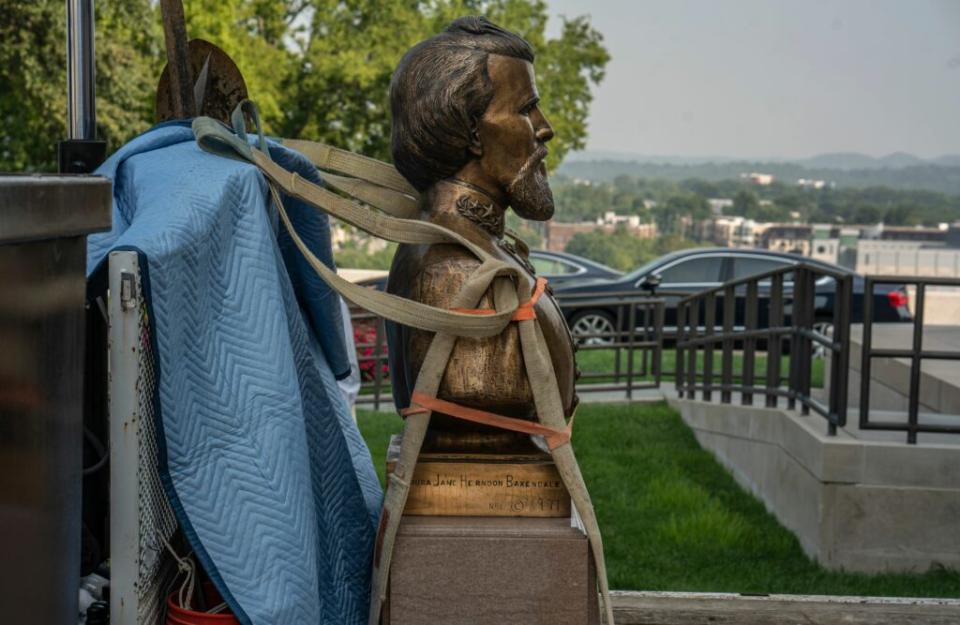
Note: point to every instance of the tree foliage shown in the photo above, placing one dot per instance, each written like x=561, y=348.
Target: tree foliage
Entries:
x=319, y=69
x=339, y=92
x=621, y=249
x=356, y=253
x=33, y=100
x=940, y=177
x=666, y=202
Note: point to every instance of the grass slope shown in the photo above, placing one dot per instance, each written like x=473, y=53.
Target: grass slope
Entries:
x=674, y=519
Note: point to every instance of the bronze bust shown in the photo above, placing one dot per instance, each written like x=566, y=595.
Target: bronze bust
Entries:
x=469, y=135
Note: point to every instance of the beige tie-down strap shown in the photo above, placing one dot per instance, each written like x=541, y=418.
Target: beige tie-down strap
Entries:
x=380, y=184
x=329, y=158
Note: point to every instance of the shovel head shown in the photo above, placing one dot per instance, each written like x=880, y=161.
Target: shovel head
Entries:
x=218, y=89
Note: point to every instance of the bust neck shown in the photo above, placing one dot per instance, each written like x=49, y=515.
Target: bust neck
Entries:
x=454, y=200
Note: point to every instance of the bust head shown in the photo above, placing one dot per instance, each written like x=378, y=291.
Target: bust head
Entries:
x=465, y=107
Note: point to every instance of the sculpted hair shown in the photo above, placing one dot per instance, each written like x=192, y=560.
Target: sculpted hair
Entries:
x=438, y=92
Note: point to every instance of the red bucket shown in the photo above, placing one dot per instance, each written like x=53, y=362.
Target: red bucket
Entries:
x=181, y=616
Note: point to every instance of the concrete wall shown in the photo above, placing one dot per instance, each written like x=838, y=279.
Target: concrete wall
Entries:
x=890, y=377
x=855, y=505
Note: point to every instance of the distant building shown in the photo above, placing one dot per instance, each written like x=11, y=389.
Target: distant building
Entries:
x=610, y=218
x=557, y=234
x=907, y=258
x=718, y=205
x=953, y=235
x=702, y=230
x=825, y=250
x=756, y=178
x=790, y=238
x=909, y=251
x=809, y=183
x=866, y=249
x=734, y=232
x=829, y=241
x=918, y=233
x=889, y=250
x=747, y=233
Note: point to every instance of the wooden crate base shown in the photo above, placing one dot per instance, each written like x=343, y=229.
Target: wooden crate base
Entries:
x=491, y=571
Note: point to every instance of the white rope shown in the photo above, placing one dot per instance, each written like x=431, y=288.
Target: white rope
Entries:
x=188, y=568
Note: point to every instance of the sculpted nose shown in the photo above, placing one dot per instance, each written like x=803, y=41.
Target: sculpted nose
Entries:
x=545, y=134
x=544, y=130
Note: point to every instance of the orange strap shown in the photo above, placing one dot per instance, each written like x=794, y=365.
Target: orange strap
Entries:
x=424, y=403
x=524, y=312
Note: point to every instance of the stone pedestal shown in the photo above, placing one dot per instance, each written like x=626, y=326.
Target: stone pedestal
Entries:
x=491, y=571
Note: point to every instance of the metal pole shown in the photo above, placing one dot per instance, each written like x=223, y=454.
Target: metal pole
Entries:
x=178, y=58
x=916, y=362
x=81, y=152
x=81, y=92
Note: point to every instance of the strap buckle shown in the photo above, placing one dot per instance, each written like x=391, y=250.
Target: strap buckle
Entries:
x=524, y=312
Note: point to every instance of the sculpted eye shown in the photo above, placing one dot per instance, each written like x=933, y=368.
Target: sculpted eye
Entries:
x=529, y=106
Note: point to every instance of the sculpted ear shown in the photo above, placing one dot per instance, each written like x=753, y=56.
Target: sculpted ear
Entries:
x=476, y=145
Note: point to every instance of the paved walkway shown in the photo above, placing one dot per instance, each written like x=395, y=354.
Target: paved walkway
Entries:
x=939, y=393
x=643, y=395
x=900, y=336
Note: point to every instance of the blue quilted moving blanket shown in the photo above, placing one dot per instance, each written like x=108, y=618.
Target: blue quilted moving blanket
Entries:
x=264, y=466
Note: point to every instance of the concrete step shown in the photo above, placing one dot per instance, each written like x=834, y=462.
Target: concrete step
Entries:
x=685, y=608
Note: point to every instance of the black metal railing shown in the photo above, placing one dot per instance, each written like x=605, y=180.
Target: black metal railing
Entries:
x=630, y=351
x=370, y=338
x=730, y=317
x=637, y=330
x=916, y=354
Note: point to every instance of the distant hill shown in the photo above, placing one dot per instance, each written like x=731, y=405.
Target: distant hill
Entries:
x=853, y=160
x=630, y=157
x=830, y=160
x=948, y=160
x=897, y=171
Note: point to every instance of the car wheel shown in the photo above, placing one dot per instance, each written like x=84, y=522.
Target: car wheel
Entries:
x=826, y=329
x=586, y=325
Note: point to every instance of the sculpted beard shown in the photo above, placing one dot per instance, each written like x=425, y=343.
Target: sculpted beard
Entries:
x=529, y=191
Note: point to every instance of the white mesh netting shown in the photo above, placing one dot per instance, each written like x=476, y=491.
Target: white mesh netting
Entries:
x=156, y=569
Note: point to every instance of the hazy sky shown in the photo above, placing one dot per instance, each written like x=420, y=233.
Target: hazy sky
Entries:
x=754, y=78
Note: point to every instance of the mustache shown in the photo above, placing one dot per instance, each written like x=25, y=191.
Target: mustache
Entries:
x=529, y=166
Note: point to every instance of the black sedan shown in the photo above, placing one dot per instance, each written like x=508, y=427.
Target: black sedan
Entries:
x=560, y=268
x=679, y=274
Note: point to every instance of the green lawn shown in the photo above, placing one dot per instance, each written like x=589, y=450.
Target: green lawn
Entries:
x=598, y=367
x=674, y=519
x=602, y=361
